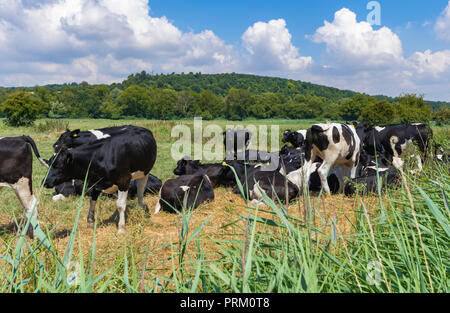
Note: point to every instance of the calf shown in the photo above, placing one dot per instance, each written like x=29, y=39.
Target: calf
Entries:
x=296, y=138
x=186, y=191
x=234, y=140
x=110, y=164
x=392, y=141
x=335, y=144
x=16, y=167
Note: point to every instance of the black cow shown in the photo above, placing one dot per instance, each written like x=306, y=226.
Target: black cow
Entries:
x=296, y=138
x=234, y=140
x=213, y=170
x=75, y=138
x=75, y=188
x=112, y=163
x=184, y=192
x=393, y=141
x=271, y=183
x=16, y=167
x=335, y=144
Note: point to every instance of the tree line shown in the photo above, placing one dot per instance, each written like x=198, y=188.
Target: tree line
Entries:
x=227, y=96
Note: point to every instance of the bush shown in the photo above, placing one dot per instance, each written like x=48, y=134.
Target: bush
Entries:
x=442, y=116
x=21, y=109
x=378, y=113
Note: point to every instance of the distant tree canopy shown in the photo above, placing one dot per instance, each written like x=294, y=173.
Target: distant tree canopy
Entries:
x=231, y=96
x=22, y=109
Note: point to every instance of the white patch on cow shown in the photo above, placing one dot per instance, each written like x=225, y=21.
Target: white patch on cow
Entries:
x=379, y=128
x=380, y=169
x=158, y=205
x=440, y=157
x=121, y=206
x=417, y=124
x=184, y=188
x=98, y=134
x=1, y=138
x=58, y=197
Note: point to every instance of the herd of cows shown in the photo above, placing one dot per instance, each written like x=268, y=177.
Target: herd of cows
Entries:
x=118, y=161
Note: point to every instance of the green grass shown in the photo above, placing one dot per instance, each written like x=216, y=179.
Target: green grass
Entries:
x=398, y=242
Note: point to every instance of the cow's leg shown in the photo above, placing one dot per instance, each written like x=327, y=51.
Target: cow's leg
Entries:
x=121, y=207
x=23, y=191
x=341, y=176
x=142, y=184
x=323, y=174
x=91, y=214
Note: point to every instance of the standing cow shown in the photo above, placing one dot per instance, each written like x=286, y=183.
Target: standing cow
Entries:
x=335, y=144
x=111, y=164
x=16, y=167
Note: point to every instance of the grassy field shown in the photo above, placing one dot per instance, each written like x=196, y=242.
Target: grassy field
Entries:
x=393, y=242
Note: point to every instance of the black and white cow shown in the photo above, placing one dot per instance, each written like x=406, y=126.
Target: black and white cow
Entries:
x=370, y=182
x=75, y=138
x=235, y=140
x=393, y=141
x=112, y=163
x=335, y=144
x=16, y=167
x=296, y=138
x=214, y=171
x=440, y=154
x=184, y=192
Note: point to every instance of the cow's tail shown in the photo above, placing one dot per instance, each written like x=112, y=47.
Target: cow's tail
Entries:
x=35, y=150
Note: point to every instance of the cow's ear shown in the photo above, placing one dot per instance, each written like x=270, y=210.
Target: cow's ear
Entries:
x=75, y=133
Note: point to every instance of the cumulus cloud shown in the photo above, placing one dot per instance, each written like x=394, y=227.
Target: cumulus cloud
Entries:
x=356, y=44
x=372, y=61
x=270, y=47
x=442, y=26
x=46, y=41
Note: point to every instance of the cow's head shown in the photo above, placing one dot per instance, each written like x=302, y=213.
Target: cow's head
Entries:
x=186, y=166
x=293, y=137
x=66, y=139
x=60, y=168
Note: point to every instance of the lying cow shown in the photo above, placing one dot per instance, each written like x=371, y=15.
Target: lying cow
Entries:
x=75, y=188
x=184, y=192
x=335, y=144
x=296, y=138
x=112, y=163
x=270, y=183
x=370, y=183
x=16, y=167
x=393, y=141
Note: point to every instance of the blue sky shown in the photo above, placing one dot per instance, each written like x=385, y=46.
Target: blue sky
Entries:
x=102, y=41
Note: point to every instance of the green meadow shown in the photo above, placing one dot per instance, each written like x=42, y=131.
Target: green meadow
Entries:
x=397, y=241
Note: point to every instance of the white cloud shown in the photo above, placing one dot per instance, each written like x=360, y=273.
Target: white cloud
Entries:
x=356, y=44
x=442, y=27
x=76, y=37
x=270, y=47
